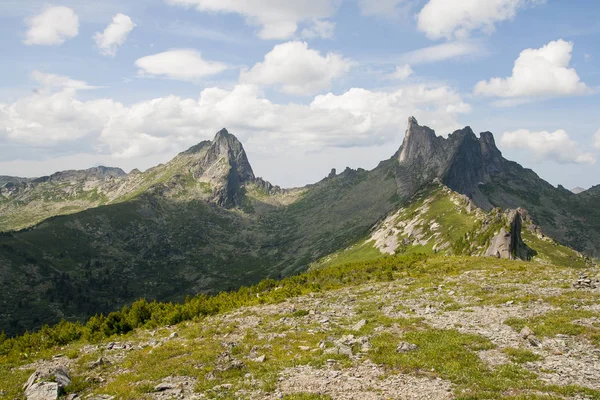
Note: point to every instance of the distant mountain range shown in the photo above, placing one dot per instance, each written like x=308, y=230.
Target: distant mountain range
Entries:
x=78, y=243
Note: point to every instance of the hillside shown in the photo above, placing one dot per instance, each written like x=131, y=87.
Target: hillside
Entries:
x=204, y=223
x=407, y=327
x=441, y=221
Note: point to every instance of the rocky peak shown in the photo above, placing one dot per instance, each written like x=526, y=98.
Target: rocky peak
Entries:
x=462, y=161
x=419, y=143
x=223, y=164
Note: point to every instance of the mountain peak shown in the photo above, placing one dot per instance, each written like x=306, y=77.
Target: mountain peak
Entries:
x=419, y=141
x=224, y=164
x=462, y=161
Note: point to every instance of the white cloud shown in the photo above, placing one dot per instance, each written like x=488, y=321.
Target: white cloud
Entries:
x=441, y=52
x=277, y=19
x=296, y=69
x=597, y=139
x=384, y=8
x=50, y=82
x=114, y=35
x=319, y=28
x=542, y=72
x=543, y=145
x=457, y=18
x=180, y=64
x=52, y=113
x=402, y=73
x=358, y=117
x=52, y=27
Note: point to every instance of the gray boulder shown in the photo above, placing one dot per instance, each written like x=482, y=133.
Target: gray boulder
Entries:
x=47, y=383
x=508, y=243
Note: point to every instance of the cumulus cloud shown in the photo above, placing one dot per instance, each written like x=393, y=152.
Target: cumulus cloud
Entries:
x=52, y=27
x=402, y=72
x=543, y=145
x=355, y=118
x=458, y=18
x=114, y=35
x=52, y=113
x=441, y=52
x=180, y=64
x=277, y=19
x=296, y=69
x=542, y=72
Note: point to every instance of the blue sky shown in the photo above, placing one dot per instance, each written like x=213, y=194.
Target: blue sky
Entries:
x=307, y=86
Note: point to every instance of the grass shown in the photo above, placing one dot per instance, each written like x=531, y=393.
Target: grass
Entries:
x=551, y=252
x=452, y=355
x=521, y=356
x=554, y=323
x=358, y=253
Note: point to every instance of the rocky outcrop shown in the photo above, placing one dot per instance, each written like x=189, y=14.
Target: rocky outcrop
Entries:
x=508, y=243
x=225, y=166
x=462, y=161
x=47, y=383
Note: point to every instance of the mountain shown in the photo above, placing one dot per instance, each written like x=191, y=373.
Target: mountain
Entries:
x=204, y=223
x=475, y=167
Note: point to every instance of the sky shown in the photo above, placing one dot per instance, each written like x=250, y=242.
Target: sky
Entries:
x=305, y=85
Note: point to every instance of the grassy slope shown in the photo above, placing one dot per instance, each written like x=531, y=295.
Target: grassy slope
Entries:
x=449, y=354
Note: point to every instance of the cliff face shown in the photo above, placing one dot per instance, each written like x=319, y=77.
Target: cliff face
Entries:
x=462, y=161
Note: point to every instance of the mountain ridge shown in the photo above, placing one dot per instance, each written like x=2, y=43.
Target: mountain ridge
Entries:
x=204, y=223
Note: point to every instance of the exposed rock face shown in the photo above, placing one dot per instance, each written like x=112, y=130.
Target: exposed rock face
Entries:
x=47, y=383
x=508, y=242
x=578, y=190
x=462, y=161
x=224, y=164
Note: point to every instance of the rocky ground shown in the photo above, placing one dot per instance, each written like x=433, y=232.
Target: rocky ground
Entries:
x=477, y=329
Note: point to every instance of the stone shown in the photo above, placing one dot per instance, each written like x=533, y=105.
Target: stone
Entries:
x=526, y=332
x=508, y=243
x=47, y=383
x=405, y=347
x=260, y=359
x=345, y=350
x=534, y=341
x=161, y=387
x=42, y=391
x=173, y=335
x=358, y=326
x=97, y=363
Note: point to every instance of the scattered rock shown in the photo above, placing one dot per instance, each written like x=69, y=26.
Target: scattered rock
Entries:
x=405, y=347
x=345, y=350
x=260, y=359
x=358, y=326
x=173, y=335
x=161, y=387
x=97, y=363
x=585, y=283
x=526, y=332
